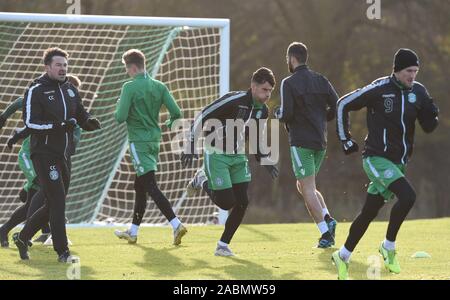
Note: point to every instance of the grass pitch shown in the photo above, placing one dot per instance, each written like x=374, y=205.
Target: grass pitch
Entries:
x=276, y=251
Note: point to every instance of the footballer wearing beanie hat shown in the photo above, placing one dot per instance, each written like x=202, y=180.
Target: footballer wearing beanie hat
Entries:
x=405, y=58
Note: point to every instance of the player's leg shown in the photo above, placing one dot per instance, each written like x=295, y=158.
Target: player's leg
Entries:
x=196, y=183
x=145, y=183
x=237, y=213
x=358, y=227
x=35, y=203
x=17, y=217
x=240, y=177
x=32, y=225
x=319, y=156
x=179, y=230
x=220, y=189
x=53, y=175
x=25, y=196
x=137, y=153
x=388, y=179
x=314, y=207
x=406, y=197
x=303, y=161
x=381, y=174
x=27, y=168
x=225, y=200
x=331, y=222
x=140, y=204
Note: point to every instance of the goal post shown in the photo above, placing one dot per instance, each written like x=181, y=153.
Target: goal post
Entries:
x=190, y=55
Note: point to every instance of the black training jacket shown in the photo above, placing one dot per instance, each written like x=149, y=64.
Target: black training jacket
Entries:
x=232, y=106
x=308, y=101
x=392, y=111
x=47, y=103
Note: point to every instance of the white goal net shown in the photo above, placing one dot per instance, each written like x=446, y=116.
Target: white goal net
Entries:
x=189, y=55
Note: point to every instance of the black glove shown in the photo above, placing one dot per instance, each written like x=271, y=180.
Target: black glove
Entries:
x=431, y=113
x=69, y=125
x=188, y=155
x=92, y=124
x=277, y=112
x=186, y=159
x=428, y=118
x=273, y=170
x=13, y=140
x=349, y=146
x=2, y=121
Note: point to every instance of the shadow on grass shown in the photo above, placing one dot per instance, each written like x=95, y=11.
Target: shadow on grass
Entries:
x=164, y=265
x=245, y=269
x=44, y=260
x=261, y=233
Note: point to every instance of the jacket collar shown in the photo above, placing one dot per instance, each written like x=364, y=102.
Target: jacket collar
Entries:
x=398, y=84
x=44, y=79
x=142, y=75
x=301, y=67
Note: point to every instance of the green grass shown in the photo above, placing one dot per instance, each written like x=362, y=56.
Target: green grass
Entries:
x=278, y=251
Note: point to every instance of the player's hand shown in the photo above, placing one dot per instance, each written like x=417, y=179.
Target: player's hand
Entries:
x=431, y=113
x=2, y=121
x=186, y=159
x=349, y=146
x=92, y=124
x=69, y=125
x=273, y=170
x=13, y=140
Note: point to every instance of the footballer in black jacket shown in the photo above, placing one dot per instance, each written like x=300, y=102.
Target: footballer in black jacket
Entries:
x=393, y=105
x=52, y=108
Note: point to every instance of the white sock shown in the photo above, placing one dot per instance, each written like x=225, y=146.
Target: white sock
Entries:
x=345, y=254
x=175, y=222
x=134, y=229
x=222, y=244
x=388, y=245
x=323, y=227
x=325, y=212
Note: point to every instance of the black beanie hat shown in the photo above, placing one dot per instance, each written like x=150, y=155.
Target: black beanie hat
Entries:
x=405, y=58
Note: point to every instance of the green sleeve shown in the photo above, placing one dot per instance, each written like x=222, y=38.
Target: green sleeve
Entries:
x=124, y=103
x=172, y=107
x=76, y=135
x=13, y=107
